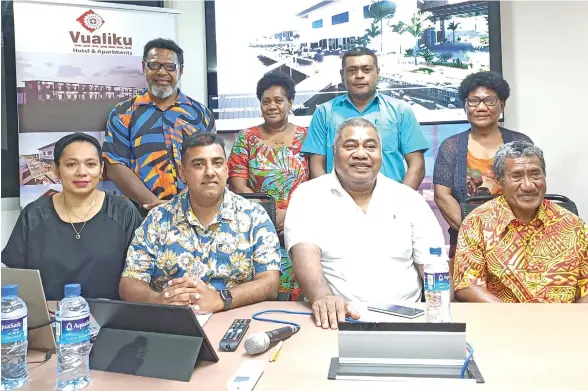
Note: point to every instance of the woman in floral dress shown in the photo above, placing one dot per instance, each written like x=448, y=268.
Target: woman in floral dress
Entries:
x=267, y=159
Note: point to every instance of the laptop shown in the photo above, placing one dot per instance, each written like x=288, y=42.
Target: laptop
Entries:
x=30, y=289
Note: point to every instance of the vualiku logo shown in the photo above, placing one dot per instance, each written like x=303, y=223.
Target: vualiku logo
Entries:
x=91, y=21
x=88, y=43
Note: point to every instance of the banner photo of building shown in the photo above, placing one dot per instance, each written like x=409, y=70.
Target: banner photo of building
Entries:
x=424, y=48
x=70, y=76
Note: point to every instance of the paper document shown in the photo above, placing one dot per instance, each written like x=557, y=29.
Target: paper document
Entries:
x=202, y=318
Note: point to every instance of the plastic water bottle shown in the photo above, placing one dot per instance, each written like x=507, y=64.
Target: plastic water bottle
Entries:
x=14, y=339
x=94, y=330
x=437, y=287
x=72, y=335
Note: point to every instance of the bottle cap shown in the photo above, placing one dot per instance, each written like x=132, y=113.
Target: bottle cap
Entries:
x=9, y=290
x=72, y=290
x=435, y=250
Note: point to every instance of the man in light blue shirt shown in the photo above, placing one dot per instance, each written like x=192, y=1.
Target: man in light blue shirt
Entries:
x=401, y=135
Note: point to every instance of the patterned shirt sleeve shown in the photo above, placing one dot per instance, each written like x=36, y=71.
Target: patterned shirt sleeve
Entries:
x=470, y=267
x=266, y=247
x=583, y=277
x=142, y=255
x=239, y=159
x=117, y=143
x=208, y=119
x=316, y=137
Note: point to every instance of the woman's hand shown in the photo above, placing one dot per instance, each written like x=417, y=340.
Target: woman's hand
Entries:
x=448, y=206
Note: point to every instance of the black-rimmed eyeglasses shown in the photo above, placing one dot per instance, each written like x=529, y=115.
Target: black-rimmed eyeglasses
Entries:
x=155, y=66
x=474, y=101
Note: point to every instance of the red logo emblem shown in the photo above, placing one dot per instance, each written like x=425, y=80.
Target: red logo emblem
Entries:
x=91, y=21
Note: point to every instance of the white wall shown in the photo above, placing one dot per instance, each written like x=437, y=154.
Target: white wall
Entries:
x=544, y=56
x=191, y=36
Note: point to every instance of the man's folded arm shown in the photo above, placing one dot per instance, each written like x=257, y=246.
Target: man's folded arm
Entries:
x=470, y=273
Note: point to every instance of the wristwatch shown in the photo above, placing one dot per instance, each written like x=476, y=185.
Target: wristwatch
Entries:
x=227, y=298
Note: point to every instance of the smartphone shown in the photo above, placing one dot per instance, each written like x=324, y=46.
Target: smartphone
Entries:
x=398, y=310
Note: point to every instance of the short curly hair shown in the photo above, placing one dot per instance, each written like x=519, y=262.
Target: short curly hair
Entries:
x=276, y=79
x=491, y=80
x=162, y=43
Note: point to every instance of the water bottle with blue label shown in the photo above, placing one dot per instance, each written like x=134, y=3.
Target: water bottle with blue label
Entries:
x=437, y=287
x=72, y=335
x=14, y=339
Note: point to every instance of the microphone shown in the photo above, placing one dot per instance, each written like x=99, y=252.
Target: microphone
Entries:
x=260, y=342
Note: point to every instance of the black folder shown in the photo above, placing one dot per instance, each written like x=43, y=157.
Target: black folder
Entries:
x=159, y=341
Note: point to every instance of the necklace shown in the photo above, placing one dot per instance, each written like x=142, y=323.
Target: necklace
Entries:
x=277, y=142
x=78, y=233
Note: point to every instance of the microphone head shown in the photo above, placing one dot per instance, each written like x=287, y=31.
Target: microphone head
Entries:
x=257, y=343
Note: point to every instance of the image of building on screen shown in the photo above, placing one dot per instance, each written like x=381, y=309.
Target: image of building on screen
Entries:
x=424, y=48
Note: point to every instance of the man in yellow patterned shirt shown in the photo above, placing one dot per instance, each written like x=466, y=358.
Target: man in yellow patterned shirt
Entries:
x=519, y=247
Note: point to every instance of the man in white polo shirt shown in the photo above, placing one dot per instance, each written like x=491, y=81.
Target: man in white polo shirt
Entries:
x=356, y=235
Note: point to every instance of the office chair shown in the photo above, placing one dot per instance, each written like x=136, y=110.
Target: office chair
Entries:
x=265, y=200
x=269, y=204
x=472, y=203
x=563, y=201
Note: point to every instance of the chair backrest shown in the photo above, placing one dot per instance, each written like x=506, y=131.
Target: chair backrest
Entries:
x=269, y=204
x=472, y=203
x=265, y=200
x=564, y=202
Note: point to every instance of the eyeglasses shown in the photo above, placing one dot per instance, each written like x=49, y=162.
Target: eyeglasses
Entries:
x=474, y=101
x=154, y=66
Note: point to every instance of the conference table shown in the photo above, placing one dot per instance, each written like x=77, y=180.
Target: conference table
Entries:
x=517, y=347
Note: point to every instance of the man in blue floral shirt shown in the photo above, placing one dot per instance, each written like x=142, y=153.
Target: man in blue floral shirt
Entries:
x=208, y=247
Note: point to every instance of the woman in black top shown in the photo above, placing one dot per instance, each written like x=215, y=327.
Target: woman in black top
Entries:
x=80, y=235
x=463, y=167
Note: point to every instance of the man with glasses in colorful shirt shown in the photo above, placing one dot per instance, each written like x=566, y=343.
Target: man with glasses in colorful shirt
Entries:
x=144, y=134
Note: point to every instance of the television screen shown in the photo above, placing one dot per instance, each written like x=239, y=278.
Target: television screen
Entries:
x=424, y=49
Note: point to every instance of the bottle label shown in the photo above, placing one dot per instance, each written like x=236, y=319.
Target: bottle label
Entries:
x=437, y=281
x=14, y=330
x=72, y=330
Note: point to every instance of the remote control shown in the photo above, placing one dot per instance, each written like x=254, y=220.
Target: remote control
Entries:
x=234, y=335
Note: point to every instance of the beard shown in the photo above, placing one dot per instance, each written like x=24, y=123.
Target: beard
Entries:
x=162, y=92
